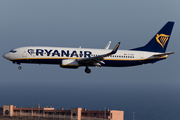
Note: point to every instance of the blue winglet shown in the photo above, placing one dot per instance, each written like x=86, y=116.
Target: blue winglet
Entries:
x=115, y=48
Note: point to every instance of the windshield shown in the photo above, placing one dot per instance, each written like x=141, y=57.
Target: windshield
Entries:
x=12, y=51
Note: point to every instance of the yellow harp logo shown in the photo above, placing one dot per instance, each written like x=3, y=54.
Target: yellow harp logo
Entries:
x=162, y=39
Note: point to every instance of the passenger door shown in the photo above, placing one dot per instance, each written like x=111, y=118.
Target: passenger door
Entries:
x=24, y=53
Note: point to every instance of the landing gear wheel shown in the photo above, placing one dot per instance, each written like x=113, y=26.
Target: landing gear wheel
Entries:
x=87, y=70
x=19, y=67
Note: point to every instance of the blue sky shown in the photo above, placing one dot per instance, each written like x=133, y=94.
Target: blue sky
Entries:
x=90, y=24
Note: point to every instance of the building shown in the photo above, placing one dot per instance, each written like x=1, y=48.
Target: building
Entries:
x=78, y=113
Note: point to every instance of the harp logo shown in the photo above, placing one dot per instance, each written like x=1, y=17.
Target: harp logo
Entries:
x=162, y=39
x=31, y=51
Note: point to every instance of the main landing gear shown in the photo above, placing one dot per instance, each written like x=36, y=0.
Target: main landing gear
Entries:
x=87, y=70
x=19, y=67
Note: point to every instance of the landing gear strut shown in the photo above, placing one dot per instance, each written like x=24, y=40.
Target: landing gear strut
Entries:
x=87, y=70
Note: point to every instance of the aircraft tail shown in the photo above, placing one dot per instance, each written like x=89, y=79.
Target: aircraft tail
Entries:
x=160, y=41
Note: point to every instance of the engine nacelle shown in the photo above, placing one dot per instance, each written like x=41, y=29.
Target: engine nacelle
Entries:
x=69, y=63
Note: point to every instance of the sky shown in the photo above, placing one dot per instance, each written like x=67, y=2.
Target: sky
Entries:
x=89, y=24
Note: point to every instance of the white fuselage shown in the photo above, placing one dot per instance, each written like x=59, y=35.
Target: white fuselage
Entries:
x=55, y=55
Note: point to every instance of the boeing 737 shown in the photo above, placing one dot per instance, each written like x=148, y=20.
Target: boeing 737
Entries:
x=152, y=52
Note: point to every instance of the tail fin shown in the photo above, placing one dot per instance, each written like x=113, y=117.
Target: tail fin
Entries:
x=160, y=41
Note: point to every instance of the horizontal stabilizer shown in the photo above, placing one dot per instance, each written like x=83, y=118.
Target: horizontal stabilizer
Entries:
x=163, y=54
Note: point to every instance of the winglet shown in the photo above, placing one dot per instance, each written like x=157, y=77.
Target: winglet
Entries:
x=107, y=46
x=115, y=48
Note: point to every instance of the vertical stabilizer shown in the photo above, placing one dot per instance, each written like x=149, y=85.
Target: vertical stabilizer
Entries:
x=160, y=41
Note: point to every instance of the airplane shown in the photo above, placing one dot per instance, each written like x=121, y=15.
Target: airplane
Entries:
x=152, y=52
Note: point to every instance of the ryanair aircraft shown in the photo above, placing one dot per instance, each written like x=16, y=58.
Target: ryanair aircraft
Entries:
x=152, y=52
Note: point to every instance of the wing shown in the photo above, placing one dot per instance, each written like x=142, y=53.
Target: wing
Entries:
x=95, y=61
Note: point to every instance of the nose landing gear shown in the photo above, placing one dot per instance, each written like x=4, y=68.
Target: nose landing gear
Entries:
x=87, y=70
x=19, y=67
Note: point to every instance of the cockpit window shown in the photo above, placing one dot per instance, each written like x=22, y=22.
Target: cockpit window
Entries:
x=12, y=51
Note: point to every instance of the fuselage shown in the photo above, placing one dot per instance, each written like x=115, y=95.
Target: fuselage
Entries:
x=55, y=55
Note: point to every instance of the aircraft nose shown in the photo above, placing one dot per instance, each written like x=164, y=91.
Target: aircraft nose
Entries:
x=6, y=56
